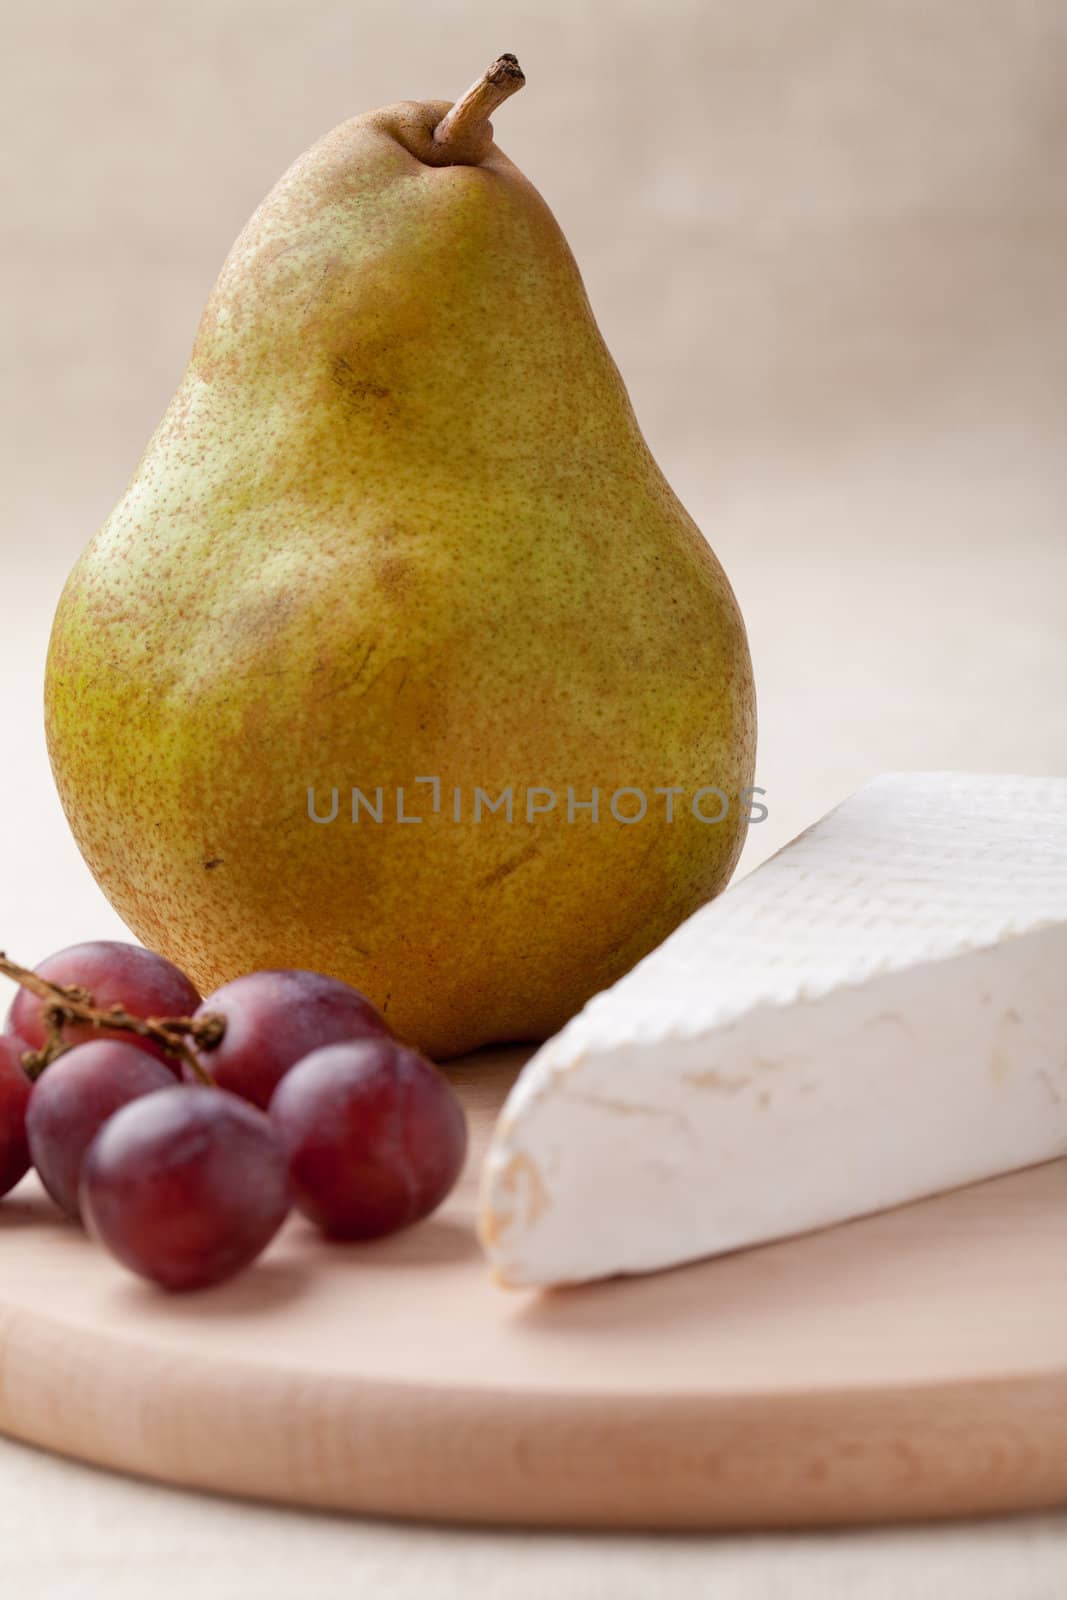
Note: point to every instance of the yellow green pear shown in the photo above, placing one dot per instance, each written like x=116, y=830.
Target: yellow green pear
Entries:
x=397, y=525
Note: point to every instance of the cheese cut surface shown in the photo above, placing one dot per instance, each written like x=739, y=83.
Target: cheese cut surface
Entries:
x=877, y=1013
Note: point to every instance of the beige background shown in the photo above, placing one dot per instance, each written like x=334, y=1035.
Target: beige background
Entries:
x=827, y=242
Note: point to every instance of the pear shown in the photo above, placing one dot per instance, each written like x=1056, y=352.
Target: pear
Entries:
x=398, y=525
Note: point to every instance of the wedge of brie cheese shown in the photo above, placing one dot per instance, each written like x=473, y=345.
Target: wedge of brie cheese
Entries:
x=877, y=1013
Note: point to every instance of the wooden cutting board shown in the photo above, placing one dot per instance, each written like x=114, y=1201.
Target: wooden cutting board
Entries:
x=911, y=1364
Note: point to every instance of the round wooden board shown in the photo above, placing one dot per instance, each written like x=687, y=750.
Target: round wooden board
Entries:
x=911, y=1364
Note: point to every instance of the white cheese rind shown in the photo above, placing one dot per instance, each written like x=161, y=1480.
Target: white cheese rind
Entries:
x=877, y=1013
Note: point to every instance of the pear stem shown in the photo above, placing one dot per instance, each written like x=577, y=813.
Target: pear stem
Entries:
x=468, y=119
x=70, y=1004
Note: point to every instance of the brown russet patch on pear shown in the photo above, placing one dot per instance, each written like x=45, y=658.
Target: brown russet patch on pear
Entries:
x=351, y=677
x=506, y=868
x=355, y=388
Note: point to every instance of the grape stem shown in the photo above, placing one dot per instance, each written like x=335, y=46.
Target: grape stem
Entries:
x=65, y=1004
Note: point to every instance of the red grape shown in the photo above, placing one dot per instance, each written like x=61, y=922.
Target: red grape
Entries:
x=185, y=1187
x=74, y=1097
x=273, y=1020
x=374, y=1135
x=114, y=974
x=15, y=1090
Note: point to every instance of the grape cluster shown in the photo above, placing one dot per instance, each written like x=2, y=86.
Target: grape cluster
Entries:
x=183, y=1149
